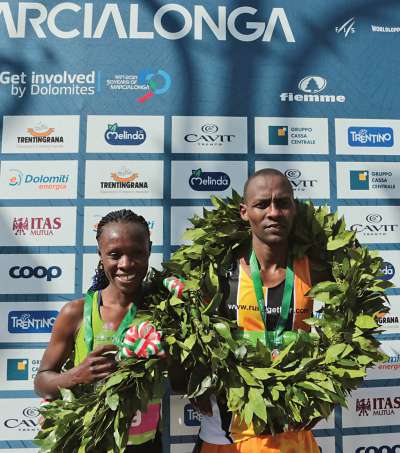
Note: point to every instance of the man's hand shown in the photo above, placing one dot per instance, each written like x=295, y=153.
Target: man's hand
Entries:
x=98, y=365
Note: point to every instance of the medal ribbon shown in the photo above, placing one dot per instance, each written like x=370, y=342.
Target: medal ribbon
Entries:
x=286, y=300
x=118, y=337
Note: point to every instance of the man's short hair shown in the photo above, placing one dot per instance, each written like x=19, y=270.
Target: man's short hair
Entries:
x=266, y=172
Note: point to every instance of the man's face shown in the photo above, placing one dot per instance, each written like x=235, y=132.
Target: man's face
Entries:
x=269, y=207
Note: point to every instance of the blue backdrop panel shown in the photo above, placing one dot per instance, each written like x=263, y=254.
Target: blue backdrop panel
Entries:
x=156, y=106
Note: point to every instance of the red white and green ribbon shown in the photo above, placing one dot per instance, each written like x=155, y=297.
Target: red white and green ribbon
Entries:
x=143, y=341
x=174, y=285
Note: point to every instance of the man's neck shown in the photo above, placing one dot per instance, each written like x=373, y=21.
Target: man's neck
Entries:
x=270, y=256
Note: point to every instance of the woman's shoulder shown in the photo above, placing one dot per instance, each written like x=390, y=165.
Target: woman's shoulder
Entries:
x=72, y=313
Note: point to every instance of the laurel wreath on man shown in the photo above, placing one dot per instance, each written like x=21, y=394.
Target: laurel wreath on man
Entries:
x=291, y=392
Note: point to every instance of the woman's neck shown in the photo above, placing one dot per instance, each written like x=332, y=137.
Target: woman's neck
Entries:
x=111, y=296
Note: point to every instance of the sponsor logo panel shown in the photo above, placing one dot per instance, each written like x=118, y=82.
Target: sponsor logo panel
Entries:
x=115, y=179
x=372, y=443
x=390, y=321
x=27, y=321
x=152, y=214
x=367, y=136
x=19, y=418
x=184, y=419
x=125, y=134
x=308, y=179
x=372, y=407
x=38, y=274
x=385, y=28
x=145, y=85
x=18, y=368
x=368, y=180
x=391, y=266
x=359, y=179
x=40, y=134
x=373, y=224
x=40, y=321
x=201, y=179
x=38, y=179
x=311, y=89
x=390, y=369
x=291, y=135
x=180, y=221
x=209, y=134
x=27, y=226
x=370, y=136
x=38, y=83
x=91, y=260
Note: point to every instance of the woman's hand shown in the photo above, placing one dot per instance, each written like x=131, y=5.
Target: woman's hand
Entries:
x=98, y=365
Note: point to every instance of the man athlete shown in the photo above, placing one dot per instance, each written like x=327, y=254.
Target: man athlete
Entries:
x=269, y=207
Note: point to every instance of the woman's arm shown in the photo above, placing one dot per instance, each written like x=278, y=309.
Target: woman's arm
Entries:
x=49, y=379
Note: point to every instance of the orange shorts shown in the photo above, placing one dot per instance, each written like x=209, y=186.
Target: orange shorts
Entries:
x=290, y=442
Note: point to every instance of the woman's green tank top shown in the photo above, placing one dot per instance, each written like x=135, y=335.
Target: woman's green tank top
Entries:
x=81, y=350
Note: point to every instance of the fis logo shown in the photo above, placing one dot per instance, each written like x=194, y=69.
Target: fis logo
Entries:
x=371, y=137
x=359, y=179
x=278, y=135
x=347, y=28
x=17, y=369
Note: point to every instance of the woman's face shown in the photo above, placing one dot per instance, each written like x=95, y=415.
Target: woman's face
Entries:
x=124, y=249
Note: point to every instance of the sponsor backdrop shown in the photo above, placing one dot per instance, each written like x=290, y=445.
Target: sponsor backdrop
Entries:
x=157, y=105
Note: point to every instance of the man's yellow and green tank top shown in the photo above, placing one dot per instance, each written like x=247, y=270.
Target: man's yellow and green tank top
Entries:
x=224, y=428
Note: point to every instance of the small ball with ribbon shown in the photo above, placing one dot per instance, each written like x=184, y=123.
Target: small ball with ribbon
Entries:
x=143, y=341
x=174, y=285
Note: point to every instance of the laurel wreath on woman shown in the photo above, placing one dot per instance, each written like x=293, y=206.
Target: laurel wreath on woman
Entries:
x=293, y=391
